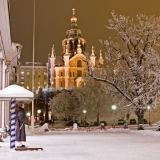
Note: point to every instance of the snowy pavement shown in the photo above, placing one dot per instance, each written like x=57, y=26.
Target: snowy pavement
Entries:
x=113, y=144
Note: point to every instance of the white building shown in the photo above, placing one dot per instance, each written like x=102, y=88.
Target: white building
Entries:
x=9, y=53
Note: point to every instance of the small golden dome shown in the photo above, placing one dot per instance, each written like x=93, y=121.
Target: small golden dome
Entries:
x=73, y=19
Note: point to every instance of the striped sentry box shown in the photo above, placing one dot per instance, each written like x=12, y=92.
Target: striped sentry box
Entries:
x=12, y=129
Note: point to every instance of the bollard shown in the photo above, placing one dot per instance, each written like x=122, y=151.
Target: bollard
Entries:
x=12, y=128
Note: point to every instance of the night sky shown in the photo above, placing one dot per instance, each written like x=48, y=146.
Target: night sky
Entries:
x=53, y=20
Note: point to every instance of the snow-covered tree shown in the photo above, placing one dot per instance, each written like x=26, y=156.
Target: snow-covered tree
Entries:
x=92, y=97
x=132, y=70
x=64, y=103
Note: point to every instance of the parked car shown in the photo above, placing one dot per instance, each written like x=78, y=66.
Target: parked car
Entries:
x=133, y=121
x=96, y=123
x=84, y=124
x=105, y=123
x=70, y=123
x=92, y=124
x=121, y=121
x=145, y=121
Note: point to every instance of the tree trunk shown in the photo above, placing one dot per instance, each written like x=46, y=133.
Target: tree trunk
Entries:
x=46, y=116
x=98, y=118
x=140, y=116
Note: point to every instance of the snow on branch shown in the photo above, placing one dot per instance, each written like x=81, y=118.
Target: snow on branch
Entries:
x=132, y=62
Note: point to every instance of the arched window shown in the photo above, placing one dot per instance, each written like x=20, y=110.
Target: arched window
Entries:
x=79, y=63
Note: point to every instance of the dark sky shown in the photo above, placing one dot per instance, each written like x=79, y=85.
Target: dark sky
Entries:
x=53, y=20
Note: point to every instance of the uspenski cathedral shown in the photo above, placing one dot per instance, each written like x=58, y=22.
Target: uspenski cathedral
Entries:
x=67, y=70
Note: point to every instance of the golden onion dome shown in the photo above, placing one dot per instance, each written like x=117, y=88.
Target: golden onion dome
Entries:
x=73, y=19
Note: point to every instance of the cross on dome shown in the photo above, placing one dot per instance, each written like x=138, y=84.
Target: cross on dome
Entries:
x=73, y=11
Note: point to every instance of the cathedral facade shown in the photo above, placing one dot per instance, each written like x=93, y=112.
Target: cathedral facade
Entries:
x=66, y=71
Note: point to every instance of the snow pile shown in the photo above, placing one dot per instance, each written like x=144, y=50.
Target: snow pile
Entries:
x=147, y=132
x=118, y=130
x=156, y=123
x=41, y=129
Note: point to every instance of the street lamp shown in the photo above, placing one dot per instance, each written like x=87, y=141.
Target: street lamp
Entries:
x=114, y=108
x=148, y=107
x=28, y=115
x=39, y=112
x=84, y=111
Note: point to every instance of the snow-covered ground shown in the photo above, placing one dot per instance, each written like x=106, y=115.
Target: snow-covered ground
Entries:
x=112, y=144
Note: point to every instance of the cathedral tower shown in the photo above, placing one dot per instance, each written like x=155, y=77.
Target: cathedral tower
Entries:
x=73, y=35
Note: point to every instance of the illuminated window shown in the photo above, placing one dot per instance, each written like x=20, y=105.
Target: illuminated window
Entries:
x=22, y=82
x=45, y=73
x=79, y=63
x=22, y=72
x=27, y=87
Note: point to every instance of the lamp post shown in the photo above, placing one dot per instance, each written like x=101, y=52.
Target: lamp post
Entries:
x=28, y=115
x=84, y=112
x=148, y=107
x=114, y=108
x=39, y=112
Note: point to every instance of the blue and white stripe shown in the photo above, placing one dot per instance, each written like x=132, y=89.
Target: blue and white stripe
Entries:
x=12, y=129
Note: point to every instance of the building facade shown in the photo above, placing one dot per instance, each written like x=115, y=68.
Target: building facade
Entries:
x=9, y=55
x=24, y=76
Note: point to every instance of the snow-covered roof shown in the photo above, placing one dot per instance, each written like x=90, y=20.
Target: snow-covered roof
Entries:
x=15, y=91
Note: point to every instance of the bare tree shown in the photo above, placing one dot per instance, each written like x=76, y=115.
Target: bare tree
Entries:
x=132, y=63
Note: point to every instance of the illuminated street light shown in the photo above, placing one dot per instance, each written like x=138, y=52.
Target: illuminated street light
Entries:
x=39, y=111
x=84, y=111
x=148, y=107
x=114, y=108
x=28, y=115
